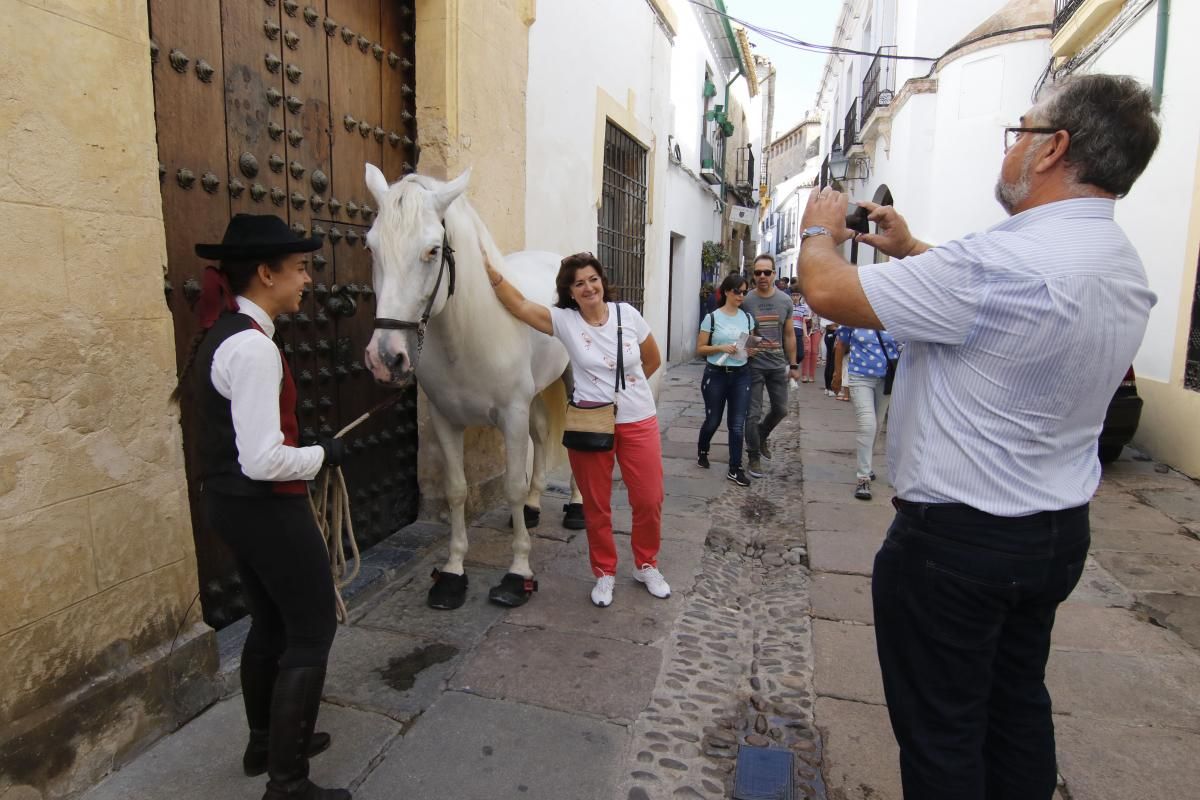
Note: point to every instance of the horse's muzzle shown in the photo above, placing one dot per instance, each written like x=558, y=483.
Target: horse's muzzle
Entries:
x=387, y=358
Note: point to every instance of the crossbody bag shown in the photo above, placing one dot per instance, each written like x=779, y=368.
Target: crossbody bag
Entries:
x=592, y=428
x=890, y=378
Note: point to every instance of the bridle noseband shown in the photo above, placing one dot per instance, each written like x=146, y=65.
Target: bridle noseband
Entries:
x=445, y=267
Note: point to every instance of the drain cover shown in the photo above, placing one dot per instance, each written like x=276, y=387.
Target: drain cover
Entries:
x=763, y=774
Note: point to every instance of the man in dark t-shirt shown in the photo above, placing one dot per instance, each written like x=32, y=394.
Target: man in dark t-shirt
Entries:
x=771, y=363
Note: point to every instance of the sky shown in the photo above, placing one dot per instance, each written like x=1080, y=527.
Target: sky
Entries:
x=797, y=71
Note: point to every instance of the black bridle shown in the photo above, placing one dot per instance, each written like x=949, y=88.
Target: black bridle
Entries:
x=445, y=267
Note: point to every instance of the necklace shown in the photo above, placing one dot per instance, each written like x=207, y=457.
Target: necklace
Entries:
x=599, y=324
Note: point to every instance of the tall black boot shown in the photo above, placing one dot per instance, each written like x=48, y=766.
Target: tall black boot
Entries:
x=258, y=683
x=294, y=706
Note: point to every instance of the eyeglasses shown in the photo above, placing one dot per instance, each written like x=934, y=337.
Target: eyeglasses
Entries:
x=742, y=292
x=1011, y=135
x=758, y=273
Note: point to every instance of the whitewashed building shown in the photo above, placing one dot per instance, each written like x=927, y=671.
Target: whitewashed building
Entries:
x=633, y=143
x=1151, y=41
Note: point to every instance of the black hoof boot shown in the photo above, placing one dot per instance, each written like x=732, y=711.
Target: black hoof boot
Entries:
x=533, y=516
x=449, y=591
x=573, y=517
x=513, y=590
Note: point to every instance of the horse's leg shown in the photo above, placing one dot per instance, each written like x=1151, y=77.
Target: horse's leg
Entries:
x=450, y=588
x=515, y=587
x=539, y=430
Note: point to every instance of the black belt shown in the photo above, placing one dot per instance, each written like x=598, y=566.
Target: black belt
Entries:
x=727, y=369
x=961, y=512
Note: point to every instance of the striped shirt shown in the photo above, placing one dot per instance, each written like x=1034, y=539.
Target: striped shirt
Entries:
x=1015, y=340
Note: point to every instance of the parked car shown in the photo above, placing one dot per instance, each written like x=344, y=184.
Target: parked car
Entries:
x=1121, y=421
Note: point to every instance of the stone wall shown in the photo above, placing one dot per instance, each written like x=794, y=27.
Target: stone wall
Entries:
x=472, y=67
x=96, y=559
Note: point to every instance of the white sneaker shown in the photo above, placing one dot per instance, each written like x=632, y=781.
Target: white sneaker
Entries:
x=656, y=584
x=603, y=590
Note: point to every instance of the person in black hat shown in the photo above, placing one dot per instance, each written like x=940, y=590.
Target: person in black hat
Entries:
x=253, y=477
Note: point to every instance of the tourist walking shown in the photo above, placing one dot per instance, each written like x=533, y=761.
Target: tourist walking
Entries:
x=590, y=325
x=866, y=354
x=1015, y=340
x=830, y=340
x=724, y=336
x=253, y=476
x=772, y=362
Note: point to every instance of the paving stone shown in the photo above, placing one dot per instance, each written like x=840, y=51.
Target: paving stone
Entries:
x=564, y=671
x=684, y=467
x=842, y=597
x=203, y=760
x=1097, y=587
x=1079, y=626
x=1129, y=689
x=387, y=673
x=1130, y=515
x=836, y=441
x=405, y=611
x=718, y=450
x=843, y=492
x=847, y=666
x=702, y=485
x=635, y=615
x=1176, y=544
x=1110, y=761
x=1153, y=572
x=830, y=551
x=1177, y=612
x=1182, y=505
x=857, y=518
x=493, y=549
x=679, y=561
x=861, y=759
x=475, y=748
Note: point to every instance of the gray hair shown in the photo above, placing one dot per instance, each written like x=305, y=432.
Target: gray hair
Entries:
x=1113, y=127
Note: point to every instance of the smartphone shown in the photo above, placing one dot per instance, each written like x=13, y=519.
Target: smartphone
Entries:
x=856, y=218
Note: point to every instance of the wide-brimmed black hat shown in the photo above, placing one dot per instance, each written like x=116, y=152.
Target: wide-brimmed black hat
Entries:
x=257, y=236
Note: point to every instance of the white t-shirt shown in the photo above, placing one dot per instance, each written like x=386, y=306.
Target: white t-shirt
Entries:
x=593, y=353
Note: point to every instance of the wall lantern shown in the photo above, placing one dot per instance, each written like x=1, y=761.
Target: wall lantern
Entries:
x=839, y=167
x=842, y=169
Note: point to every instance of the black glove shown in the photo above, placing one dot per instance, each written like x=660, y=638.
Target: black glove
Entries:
x=335, y=451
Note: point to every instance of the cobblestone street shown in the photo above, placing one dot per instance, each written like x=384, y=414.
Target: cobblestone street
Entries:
x=766, y=641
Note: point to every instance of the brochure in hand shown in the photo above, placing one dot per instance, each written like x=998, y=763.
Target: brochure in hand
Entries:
x=744, y=343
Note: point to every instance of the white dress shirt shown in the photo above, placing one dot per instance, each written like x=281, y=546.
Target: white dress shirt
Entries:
x=1016, y=339
x=248, y=371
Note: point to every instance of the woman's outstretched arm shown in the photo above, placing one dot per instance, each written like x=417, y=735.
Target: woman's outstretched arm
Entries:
x=535, y=315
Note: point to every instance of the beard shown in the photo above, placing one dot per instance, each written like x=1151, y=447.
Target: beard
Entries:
x=1011, y=195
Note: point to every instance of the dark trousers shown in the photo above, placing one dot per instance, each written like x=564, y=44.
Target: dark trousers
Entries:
x=723, y=387
x=284, y=567
x=830, y=341
x=759, y=425
x=800, y=339
x=964, y=605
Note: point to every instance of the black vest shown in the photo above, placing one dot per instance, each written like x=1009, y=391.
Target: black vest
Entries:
x=218, y=454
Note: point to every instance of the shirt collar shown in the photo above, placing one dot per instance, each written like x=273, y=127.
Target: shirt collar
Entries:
x=1075, y=208
x=255, y=312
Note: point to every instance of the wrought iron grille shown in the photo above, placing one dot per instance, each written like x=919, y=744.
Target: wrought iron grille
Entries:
x=879, y=84
x=1191, y=374
x=1063, y=9
x=851, y=127
x=743, y=166
x=837, y=142
x=621, y=234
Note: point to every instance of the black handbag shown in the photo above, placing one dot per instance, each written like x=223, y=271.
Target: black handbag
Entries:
x=592, y=428
x=890, y=378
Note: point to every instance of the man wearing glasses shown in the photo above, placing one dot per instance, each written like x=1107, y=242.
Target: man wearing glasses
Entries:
x=772, y=362
x=1016, y=338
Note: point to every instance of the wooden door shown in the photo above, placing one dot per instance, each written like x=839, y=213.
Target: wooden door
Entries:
x=273, y=106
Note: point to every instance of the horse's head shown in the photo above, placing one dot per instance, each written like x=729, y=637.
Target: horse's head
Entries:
x=406, y=249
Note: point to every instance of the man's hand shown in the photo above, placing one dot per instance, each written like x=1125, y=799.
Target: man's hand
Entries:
x=827, y=208
x=893, y=237
x=794, y=373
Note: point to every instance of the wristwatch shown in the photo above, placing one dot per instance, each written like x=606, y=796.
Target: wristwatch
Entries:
x=815, y=230
x=793, y=366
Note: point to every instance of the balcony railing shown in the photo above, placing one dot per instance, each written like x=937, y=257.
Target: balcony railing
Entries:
x=712, y=171
x=851, y=126
x=1063, y=9
x=837, y=142
x=879, y=84
x=743, y=175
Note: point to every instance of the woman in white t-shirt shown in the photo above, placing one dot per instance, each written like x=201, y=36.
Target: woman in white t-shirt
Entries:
x=585, y=321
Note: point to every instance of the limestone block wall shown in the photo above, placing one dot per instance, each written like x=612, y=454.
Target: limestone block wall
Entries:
x=472, y=70
x=96, y=557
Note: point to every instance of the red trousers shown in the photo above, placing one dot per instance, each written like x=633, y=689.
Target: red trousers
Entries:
x=639, y=452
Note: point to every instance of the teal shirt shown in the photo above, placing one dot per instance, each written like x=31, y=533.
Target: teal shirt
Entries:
x=726, y=330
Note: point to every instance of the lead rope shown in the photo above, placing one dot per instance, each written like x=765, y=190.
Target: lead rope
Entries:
x=331, y=511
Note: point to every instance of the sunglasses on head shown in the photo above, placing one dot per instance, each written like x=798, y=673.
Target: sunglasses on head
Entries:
x=761, y=272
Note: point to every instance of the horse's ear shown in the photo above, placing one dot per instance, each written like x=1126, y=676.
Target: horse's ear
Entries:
x=450, y=191
x=376, y=183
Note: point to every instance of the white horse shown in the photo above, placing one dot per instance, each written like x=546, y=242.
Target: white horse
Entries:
x=438, y=317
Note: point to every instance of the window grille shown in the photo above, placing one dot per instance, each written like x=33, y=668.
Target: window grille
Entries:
x=621, y=234
x=1191, y=374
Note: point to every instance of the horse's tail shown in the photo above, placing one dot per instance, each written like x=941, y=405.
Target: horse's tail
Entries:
x=555, y=398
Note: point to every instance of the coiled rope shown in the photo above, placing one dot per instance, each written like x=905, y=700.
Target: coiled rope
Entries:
x=331, y=510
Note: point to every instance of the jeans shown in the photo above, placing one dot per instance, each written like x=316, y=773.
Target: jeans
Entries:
x=758, y=427
x=639, y=451
x=870, y=407
x=721, y=386
x=964, y=605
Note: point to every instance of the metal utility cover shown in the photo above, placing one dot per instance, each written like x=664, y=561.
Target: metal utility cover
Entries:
x=763, y=774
